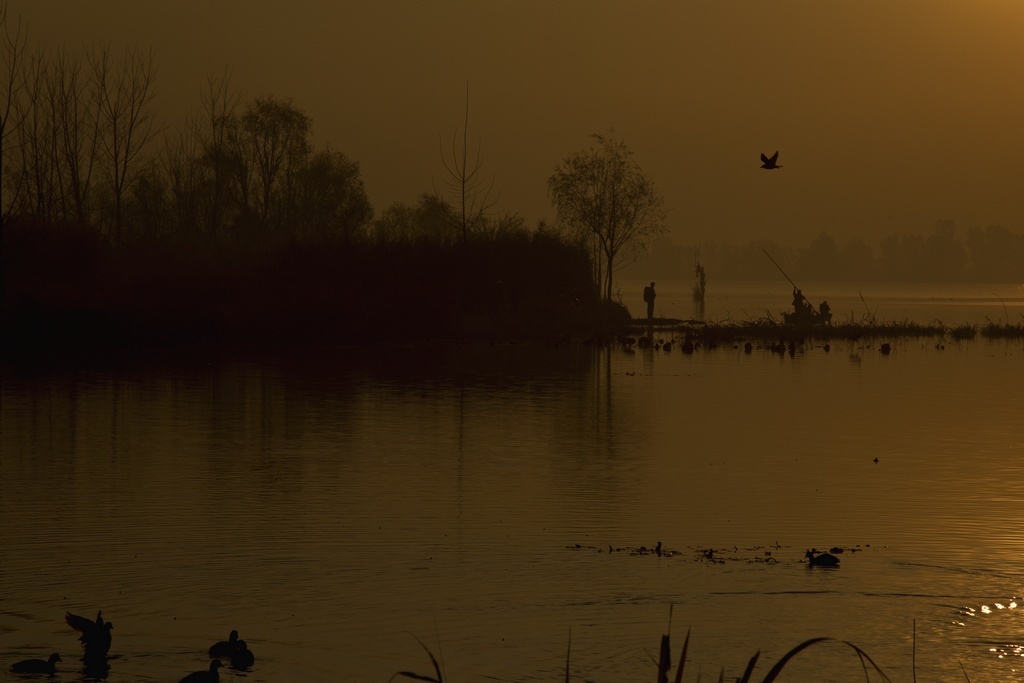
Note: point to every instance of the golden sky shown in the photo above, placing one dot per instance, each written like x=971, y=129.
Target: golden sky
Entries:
x=889, y=115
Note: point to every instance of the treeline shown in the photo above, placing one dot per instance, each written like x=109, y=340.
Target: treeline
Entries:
x=233, y=227
x=84, y=147
x=67, y=287
x=990, y=254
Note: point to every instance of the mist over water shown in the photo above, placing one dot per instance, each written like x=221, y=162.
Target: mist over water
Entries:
x=336, y=505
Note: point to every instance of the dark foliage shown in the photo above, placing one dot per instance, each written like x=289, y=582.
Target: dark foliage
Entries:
x=65, y=287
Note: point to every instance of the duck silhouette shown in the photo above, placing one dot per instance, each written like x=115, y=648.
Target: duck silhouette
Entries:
x=95, y=634
x=819, y=559
x=242, y=658
x=210, y=676
x=770, y=162
x=37, y=666
x=225, y=648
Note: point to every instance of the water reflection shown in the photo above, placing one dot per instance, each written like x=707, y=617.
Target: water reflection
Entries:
x=334, y=503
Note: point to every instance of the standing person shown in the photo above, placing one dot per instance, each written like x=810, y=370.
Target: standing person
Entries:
x=649, y=298
x=800, y=305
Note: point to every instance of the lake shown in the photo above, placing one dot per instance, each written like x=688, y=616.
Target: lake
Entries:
x=340, y=506
x=924, y=303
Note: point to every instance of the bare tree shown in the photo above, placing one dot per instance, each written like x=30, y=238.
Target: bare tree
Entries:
x=34, y=167
x=219, y=103
x=74, y=106
x=198, y=161
x=186, y=177
x=12, y=50
x=124, y=93
x=471, y=191
x=602, y=194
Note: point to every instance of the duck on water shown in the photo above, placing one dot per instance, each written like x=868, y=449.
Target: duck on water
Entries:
x=816, y=558
x=37, y=666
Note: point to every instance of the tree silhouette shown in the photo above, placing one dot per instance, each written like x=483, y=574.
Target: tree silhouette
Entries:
x=471, y=191
x=602, y=194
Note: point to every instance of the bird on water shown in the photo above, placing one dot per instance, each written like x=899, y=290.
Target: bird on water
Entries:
x=37, y=666
x=819, y=559
x=242, y=658
x=770, y=163
x=225, y=648
x=95, y=634
x=211, y=676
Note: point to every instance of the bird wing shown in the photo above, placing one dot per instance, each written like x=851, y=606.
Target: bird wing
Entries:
x=78, y=623
x=774, y=157
x=764, y=158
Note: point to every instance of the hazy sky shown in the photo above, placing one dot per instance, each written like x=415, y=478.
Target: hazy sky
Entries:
x=888, y=114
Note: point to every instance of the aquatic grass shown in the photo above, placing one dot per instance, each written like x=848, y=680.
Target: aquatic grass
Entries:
x=1000, y=330
x=769, y=329
x=437, y=669
x=664, y=661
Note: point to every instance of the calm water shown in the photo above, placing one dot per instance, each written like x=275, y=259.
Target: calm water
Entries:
x=338, y=505
x=950, y=304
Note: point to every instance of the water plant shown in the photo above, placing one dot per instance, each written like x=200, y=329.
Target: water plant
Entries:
x=664, y=661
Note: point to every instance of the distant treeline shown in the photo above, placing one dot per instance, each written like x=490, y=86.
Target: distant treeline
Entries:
x=990, y=254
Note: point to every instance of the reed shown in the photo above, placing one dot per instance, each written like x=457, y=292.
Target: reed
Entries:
x=1007, y=330
x=664, y=664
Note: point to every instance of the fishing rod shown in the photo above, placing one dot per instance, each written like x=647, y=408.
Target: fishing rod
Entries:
x=795, y=288
x=780, y=268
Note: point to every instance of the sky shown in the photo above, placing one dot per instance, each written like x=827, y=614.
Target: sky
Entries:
x=888, y=115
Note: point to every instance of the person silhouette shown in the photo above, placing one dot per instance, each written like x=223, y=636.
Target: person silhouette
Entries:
x=800, y=305
x=649, y=296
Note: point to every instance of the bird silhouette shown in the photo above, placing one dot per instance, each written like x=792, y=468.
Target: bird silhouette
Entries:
x=819, y=559
x=770, y=162
x=37, y=666
x=242, y=658
x=225, y=648
x=95, y=634
x=211, y=676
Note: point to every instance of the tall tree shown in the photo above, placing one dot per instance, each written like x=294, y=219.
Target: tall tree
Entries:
x=271, y=147
x=465, y=183
x=219, y=103
x=12, y=79
x=332, y=201
x=603, y=196
x=12, y=50
x=75, y=108
x=124, y=93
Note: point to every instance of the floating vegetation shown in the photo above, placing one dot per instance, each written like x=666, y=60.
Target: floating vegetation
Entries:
x=766, y=554
x=768, y=329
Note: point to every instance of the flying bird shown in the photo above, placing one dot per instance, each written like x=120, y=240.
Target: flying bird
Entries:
x=769, y=162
